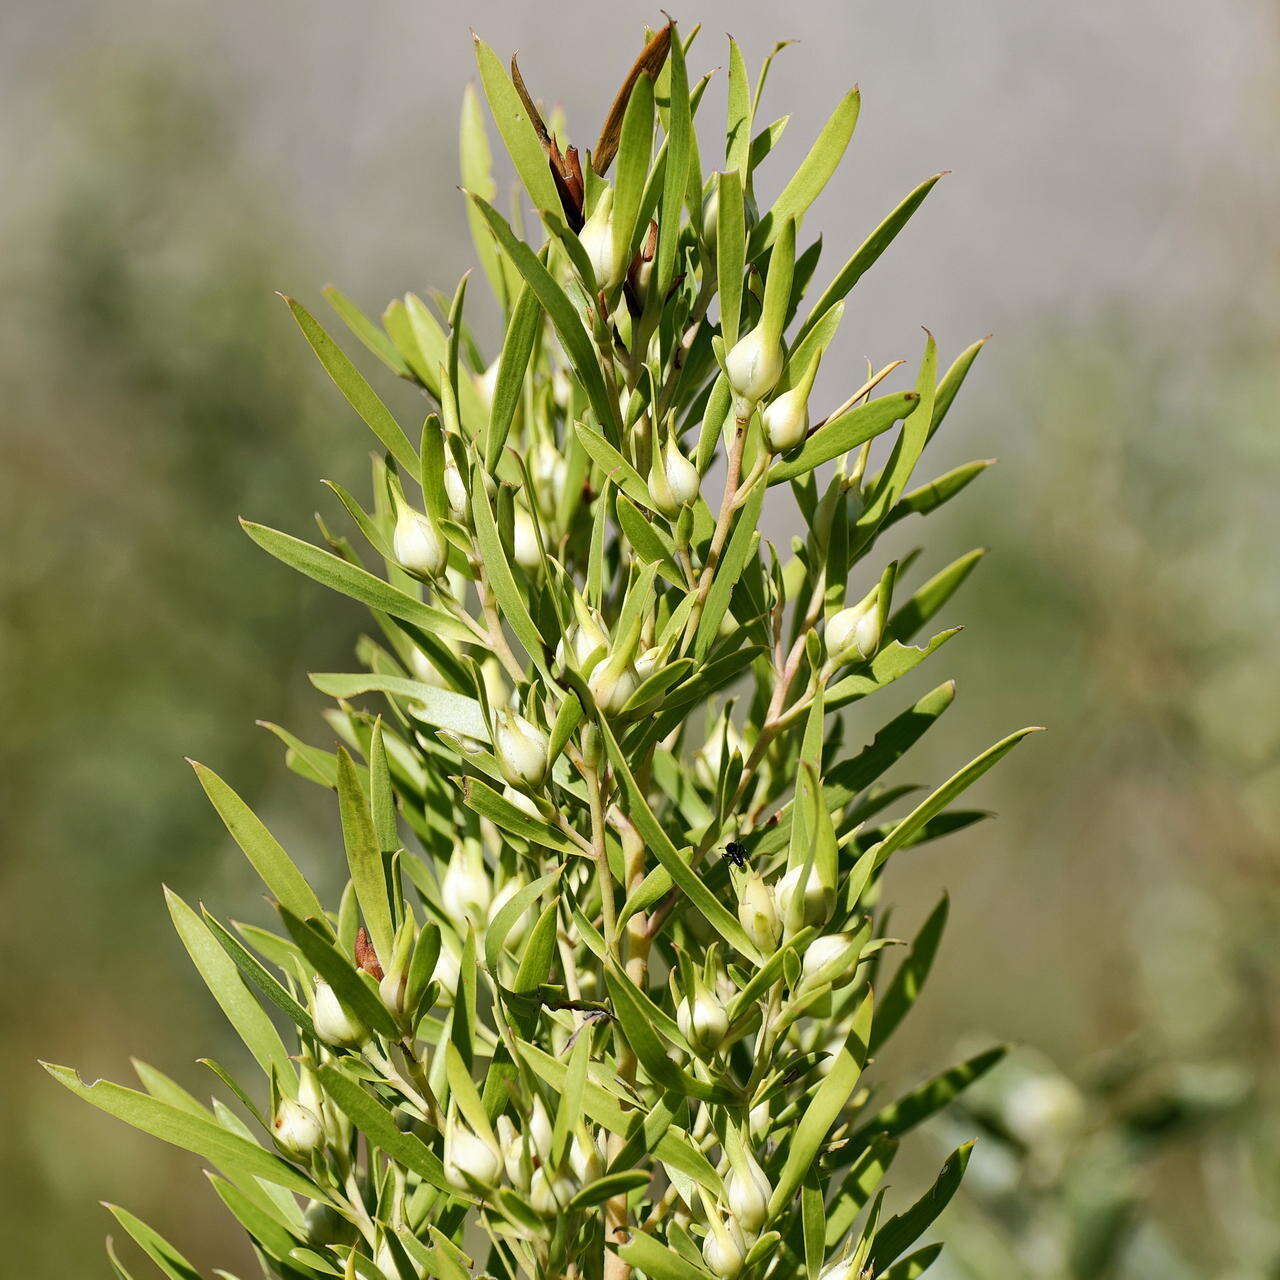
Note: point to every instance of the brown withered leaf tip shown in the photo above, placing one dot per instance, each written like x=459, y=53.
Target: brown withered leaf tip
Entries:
x=648, y=63
x=366, y=956
x=566, y=171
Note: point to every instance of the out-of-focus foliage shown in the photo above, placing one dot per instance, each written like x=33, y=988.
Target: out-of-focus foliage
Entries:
x=145, y=402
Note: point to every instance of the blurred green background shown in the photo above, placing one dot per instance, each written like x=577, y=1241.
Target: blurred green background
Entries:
x=1112, y=216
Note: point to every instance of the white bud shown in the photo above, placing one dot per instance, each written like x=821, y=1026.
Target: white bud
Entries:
x=649, y=661
x=710, y=217
x=521, y=801
x=521, y=749
x=471, y=1163
x=602, y=243
x=527, y=552
x=842, y=1269
x=673, y=480
x=448, y=970
x=561, y=387
x=703, y=1021
x=1044, y=1109
x=333, y=1024
x=612, y=683
x=585, y=1157
x=786, y=420
x=539, y=1129
x=758, y=913
x=549, y=1195
x=324, y=1225
x=831, y=959
x=583, y=638
x=724, y=1249
x=547, y=470
x=512, y=1153
x=748, y=1191
x=710, y=756
x=855, y=631
x=487, y=383
x=455, y=488
x=753, y=368
x=520, y=927
x=760, y=1121
x=418, y=545
x=465, y=889
x=804, y=901
x=297, y=1129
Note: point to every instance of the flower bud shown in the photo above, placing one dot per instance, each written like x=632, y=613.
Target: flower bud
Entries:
x=471, y=1163
x=758, y=913
x=584, y=637
x=855, y=632
x=724, y=1249
x=710, y=218
x=760, y=1121
x=487, y=383
x=333, y=1024
x=802, y=900
x=521, y=801
x=418, y=545
x=612, y=683
x=710, y=756
x=786, y=420
x=448, y=971
x=297, y=1129
x=521, y=749
x=841, y=1269
x=549, y=1194
x=602, y=244
x=539, y=1129
x=526, y=549
x=455, y=488
x=425, y=671
x=753, y=368
x=831, y=959
x=465, y=889
x=585, y=1157
x=520, y=927
x=337, y=1128
x=748, y=1191
x=324, y=1225
x=703, y=1021
x=673, y=480
x=547, y=471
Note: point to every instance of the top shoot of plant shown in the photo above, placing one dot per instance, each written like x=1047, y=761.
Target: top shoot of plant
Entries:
x=600, y=995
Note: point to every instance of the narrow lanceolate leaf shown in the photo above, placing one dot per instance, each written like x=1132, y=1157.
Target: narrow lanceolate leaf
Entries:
x=739, y=117
x=155, y=1246
x=897, y=1235
x=916, y=1264
x=679, y=148
x=928, y=599
x=653, y=1259
x=930, y=1098
x=929, y=497
x=867, y=254
x=264, y=852
x=823, y=1109
x=350, y=381
x=333, y=571
x=956, y=785
x=517, y=347
x=223, y=980
x=517, y=130
x=634, y=155
x=257, y=976
x=646, y=66
x=363, y=856
x=952, y=381
x=440, y=707
x=909, y=979
x=228, y=1151
x=815, y=170
x=731, y=253
x=368, y=332
x=742, y=544
x=846, y=432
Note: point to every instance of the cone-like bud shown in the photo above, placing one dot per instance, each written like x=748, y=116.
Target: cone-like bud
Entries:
x=549, y=1194
x=391, y=989
x=603, y=245
x=832, y=959
x=724, y=1249
x=465, y=889
x=334, y=1025
x=520, y=929
x=804, y=900
x=513, y=1153
x=786, y=419
x=487, y=383
x=586, y=1158
x=297, y=1129
x=448, y=971
x=753, y=366
x=521, y=748
x=674, y=482
x=758, y=912
x=855, y=632
x=418, y=545
x=471, y=1163
x=547, y=471
x=702, y=1019
x=613, y=681
x=748, y=1191
x=526, y=549
x=455, y=488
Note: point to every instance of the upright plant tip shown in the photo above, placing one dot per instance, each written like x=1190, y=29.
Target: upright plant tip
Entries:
x=605, y=993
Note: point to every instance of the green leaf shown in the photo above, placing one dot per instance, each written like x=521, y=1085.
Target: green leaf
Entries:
x=517, y=130
x=368, y=875
x=916, y=1264
x=846, y=432
x=930, y=1098
x=257, y=976
x=517, y=347
x=180, y=1128
x=679, y=149
x=739, y=116
x=432, y=705
x=649, y=543
x=368, y=332
x=502, y=813
x=742, y=545
x=349, y=579
x=858, y=1186
x=223, y=980
x=731, y=252
x=265, y=854
x=361, y=396
x=867, y=254
x=929, y=497
x=612, y=1184
x=902, y=1231
x=265, y=1229
x=908, y=619
x=635, y=151
x=656, y=1261
x=615, y=467
x=817, y=167
x=890, y=664
x=825, y=1106
x=951, y=382
x=155, y=1246
x=910, y=977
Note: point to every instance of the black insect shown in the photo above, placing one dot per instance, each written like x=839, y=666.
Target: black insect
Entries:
x=736, y=853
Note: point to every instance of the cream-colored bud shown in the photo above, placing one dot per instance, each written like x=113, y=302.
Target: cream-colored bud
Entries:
x=425, y=671
x=747, y=1191
x=521, y=801
x=753, y=368
x=487, y=383
x=549, y=1194
x=324, y=1225
x=758, y=913
x=526, y=549
x=540, y=1129
x=333, y=1024
x=831, y=959
x=524, y=922
x=297, y=1129
x=465, y=889
x=612, y=683
x=585, y=1157
x=841, y=1269
x=703, y=1021
x=455, y=489
x=521, y=749
x=802, y=900
x=547, y=471
x=418, y=545
x=855, y=632
x=724, y=1249
x=760, y=1121
x=448, y=971
x=648, y=662
x=710, y=217
x=602, y=243
x=584, y=637
x=513, y=1161
x=471, y=1163
x=786, y=420
x=673, y=480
